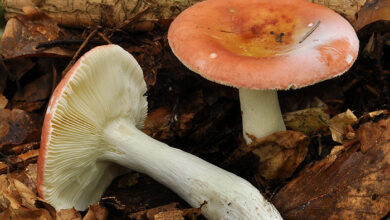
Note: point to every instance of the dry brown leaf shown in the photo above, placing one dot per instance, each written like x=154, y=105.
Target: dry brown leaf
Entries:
x=280, y=154
x=351, y=183
x=169, y=215
x=96, y=212
x=161, y=124
x=28, y=177
x=22, y=148
x=19, y=161
x=18, y=67
x=372, y=11
x=341, y=126
x=157, y=123
x=277, y=155
x=22, y=35
x=28, y=157
x=3, y=101
x=166, y=212
x=311, y=121
x=68, y=214
x=17, y=201
x=150, y=213
x=37, y=90
x=4, y=168
x=17, y=126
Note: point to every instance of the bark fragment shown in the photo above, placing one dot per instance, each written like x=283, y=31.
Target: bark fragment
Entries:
x=134, y=15
x=350, y=183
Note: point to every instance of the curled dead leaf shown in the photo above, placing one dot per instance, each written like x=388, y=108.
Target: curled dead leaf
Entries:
x=341, y=126
x=311, y=121
x=17, y=201
x=96, y=212
x=372, y=11
x=276, y=156
x=68, y=214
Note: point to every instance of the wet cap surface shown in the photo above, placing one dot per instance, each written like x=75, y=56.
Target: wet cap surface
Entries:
x=255, y=44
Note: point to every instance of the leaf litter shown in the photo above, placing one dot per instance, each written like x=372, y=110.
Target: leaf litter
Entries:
x=351, y=181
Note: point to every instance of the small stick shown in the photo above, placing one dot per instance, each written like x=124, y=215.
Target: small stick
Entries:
x=310, y=31
x=133, y=18
x=78, y=52
x=104, y=38
x=54, y=82
x=57, y=42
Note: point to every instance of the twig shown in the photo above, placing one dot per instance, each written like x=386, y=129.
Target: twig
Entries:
x=104, y=38
x=57, y=42
x=310, y=31
x=55, y=74
x=133, y=18
x=78, y=52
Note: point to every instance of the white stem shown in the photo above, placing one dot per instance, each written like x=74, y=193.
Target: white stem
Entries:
x=223, y=194
x=261, y=115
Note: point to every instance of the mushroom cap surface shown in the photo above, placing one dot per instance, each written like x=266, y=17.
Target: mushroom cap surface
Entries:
x=104, y=84
x=255, y=44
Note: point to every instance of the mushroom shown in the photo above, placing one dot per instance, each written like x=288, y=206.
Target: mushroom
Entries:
x=261, y=46
x=91, y=131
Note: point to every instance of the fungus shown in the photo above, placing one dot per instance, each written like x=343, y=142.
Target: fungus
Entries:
x=261, y=46
x=91, y=130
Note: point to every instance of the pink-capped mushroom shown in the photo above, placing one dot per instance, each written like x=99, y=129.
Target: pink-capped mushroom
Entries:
x=261, y=46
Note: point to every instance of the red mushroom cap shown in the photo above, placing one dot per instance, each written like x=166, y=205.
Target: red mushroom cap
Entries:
x=255, y=44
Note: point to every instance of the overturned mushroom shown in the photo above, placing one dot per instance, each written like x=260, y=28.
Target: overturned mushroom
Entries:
x=91, y=129
x=261, y=46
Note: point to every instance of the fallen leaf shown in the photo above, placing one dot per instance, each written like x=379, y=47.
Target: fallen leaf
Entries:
x=157, y=123
x=19, y=161
x=37, y=90
x=277, y=155
x=96, y=212
x=17, y=201
x=68, y=214
x=150, y=213
x=22, y=35
x=311, y=121
x=169, y=215
x=27, y=196
x=3, y=101
x=351, y=183
x=16, y=126
x=372, y=11
x=18, y=67
x=28, y=177
x=192, y=213
x=341, y=126
x=167, y=212
x=22, y=148
x=113, y=202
